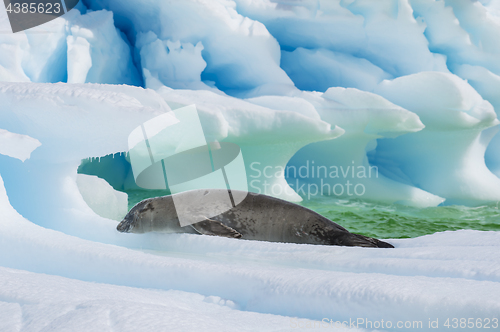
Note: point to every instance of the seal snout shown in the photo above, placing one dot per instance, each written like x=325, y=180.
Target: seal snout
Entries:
x=124, y=226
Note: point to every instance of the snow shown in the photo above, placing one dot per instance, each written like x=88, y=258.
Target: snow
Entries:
x=69, y=305
x=406, y=89
x=450, y=274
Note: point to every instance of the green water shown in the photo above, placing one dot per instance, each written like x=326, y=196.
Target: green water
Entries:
x=395, y=221
x=387, y=221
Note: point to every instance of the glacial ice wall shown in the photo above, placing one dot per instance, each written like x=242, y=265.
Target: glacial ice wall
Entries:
x=356, y=44
x=75, y=48
x=411, y=85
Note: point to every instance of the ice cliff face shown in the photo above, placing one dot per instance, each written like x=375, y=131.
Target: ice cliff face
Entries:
x=409, y=87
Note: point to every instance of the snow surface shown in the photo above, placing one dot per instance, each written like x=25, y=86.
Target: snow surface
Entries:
x=219, y=281
x=408, y=86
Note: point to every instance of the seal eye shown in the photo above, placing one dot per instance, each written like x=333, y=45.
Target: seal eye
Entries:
x=148, y=207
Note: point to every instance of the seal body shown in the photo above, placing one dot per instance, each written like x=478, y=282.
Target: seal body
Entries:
x=257, y=217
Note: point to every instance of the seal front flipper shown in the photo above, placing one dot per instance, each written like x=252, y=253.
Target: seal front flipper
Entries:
x=358, y=240
x=213, y=227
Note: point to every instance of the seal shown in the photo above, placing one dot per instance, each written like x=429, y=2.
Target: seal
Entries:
x=257, y=217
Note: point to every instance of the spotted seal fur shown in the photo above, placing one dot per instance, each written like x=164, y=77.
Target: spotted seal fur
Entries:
x=257, y=217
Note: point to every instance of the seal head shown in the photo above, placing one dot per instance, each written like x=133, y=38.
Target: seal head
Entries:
x=151, y=215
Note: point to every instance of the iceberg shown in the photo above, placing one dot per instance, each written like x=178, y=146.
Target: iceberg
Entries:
x=487, y=84
x=342, y=166
x=447, y=157
x=392, y=102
